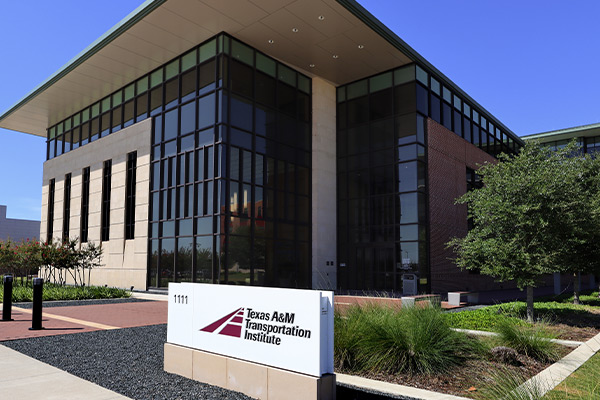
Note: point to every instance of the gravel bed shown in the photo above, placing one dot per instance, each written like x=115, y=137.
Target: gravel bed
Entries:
x=68, y=303
x=128, y=361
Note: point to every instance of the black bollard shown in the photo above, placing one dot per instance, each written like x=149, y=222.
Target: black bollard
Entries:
x=7, y=302
x=36, y=315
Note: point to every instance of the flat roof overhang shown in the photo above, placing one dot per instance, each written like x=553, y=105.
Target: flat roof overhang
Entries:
x=565, y=134
x=300, y=33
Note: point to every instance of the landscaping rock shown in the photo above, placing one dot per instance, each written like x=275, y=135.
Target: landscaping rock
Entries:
x=506, y=355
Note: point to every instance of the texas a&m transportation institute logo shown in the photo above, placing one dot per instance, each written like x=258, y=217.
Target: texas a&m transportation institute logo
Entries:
x=258, y=326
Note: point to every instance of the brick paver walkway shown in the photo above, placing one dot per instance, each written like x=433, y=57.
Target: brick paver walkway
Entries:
x=84, y=318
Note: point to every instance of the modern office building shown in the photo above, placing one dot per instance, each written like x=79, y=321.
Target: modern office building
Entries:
x=17, y=229
x=291, y=143
x=587, y=136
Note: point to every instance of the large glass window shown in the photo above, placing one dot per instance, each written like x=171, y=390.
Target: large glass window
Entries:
x=231, y=171
x=382, y=180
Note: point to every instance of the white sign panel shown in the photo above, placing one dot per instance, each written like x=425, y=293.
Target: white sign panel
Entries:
x=285, y=328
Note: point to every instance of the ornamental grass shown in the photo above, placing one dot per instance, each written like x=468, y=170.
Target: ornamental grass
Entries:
x=413, y=340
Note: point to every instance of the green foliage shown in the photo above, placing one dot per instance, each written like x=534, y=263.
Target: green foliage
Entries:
x=52, y=260
x=410, y=340
x=347, y=337
x=483, y=319
x=23, y=292
x=537, y=213
x=533, y=341
x=20, y=259
x=525, y=205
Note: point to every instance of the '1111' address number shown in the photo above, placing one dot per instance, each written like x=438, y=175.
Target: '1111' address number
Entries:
x=180, y=299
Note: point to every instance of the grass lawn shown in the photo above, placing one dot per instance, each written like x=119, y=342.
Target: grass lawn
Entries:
x=24, y=292
x=569, y=321
x=583, y=384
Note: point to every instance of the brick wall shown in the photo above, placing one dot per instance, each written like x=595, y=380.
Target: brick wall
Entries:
x=448, y=157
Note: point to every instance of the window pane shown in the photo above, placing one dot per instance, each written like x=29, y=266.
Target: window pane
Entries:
x=265, y=64
x=422, y=76
x=185, y=253
x=242, y=52
x=404, y=75
x=206, y=111
x=188, y=118
x=204, y=255
x=380, y=82
x=171, y=124
x=241, y=113
x=208, y=50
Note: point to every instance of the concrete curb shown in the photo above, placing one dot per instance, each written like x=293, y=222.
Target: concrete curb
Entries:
x=552, y=376
x=393, y=389
x=150, y=296
x=568, y=343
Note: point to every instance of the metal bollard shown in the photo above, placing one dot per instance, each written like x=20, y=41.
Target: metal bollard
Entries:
x=7, y=302
x=36, y=315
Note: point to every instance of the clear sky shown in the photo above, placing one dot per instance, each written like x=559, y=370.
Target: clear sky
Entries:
x=531, y=63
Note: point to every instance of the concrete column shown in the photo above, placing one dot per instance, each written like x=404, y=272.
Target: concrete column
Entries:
x=324, y=194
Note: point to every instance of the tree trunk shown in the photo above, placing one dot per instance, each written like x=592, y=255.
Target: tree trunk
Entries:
x=530, y=304
x=576, y=287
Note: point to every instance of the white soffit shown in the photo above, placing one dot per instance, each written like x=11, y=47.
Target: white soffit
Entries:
x=161, y=30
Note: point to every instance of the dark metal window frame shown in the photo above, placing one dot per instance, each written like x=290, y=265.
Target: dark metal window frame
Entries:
x=66, y=207
x=85, y=204
x=50, y=222
x=106, y=192
x=130, y=185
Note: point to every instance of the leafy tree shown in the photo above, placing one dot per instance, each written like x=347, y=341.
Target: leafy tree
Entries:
x=529, y=217
x=580, y=233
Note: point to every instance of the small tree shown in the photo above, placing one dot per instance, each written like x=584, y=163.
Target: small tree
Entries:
x=524, y=217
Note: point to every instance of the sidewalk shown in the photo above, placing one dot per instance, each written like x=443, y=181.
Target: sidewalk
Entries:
x=24, y=378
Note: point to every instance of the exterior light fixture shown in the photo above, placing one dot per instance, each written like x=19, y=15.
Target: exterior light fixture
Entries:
x=360, y=46
x=271, y=41
x=336, y=56
x=295, y=30
x=321, y=17
x=311, y=65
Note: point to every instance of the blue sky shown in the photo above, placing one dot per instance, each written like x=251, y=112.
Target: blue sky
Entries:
x=533, y=64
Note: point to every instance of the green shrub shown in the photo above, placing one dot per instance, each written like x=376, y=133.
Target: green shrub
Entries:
x=484, y=319
x=410, y=340
x=347, y=335
x=533, y=341
x=24, y=292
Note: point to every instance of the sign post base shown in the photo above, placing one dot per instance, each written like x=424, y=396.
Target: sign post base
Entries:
x=255, y=380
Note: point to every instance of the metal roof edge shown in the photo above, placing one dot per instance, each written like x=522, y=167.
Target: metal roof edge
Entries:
x=131, y=19
x=574, y=129
x=378, y=27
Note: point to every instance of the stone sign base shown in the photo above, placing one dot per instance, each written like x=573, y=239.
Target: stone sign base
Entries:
x=255, y=380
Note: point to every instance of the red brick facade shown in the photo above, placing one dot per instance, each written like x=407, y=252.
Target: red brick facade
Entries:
x=448, y=156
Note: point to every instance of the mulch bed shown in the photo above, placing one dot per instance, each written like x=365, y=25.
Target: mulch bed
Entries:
x=461, y=380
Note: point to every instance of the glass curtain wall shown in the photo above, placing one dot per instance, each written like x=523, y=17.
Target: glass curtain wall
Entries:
x=382, y=188
x=231, y=156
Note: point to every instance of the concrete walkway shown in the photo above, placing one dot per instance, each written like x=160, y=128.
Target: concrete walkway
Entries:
x=22, y=377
